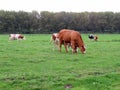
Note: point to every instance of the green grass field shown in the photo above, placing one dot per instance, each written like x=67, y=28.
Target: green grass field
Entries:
x=31, y=64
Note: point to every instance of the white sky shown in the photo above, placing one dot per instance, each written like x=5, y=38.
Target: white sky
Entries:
x=61, y=5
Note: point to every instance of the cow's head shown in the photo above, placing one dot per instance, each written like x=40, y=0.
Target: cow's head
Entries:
x=21, y=37
x=83, y=49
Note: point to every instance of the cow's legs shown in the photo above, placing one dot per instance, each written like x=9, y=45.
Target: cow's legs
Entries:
x=76, y=49
x=60, y=45
x=65, y=45
x=53, y=45
x=73, y=46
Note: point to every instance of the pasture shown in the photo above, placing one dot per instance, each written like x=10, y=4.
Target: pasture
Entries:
x=31, y=64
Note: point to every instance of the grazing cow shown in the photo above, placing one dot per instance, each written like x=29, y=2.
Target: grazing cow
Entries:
x=93, y=37
x=16, y=37
x=55, y=41
x=73, y=37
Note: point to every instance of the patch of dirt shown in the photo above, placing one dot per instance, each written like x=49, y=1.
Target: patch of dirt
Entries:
x=68, y=86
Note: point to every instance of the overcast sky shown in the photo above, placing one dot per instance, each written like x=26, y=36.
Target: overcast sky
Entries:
x=61, y=5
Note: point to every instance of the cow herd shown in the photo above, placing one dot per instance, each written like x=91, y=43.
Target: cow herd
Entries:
x=69, y=38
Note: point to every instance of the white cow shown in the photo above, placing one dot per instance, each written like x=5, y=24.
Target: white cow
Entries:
x=55, y=41
x=16, y=37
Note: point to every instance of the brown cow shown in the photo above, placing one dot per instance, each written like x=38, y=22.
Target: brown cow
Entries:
x=73, y=37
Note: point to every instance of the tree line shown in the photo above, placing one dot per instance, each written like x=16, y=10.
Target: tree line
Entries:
x=49, y=22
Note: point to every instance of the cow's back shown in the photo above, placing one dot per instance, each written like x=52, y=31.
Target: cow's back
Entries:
x=65, y=35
